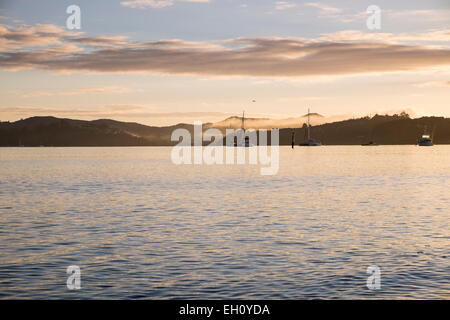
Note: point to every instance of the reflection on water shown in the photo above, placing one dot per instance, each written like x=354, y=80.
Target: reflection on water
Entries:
x=141, y=227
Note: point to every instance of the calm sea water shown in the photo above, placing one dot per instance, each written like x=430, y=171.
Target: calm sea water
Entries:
x=140, y=227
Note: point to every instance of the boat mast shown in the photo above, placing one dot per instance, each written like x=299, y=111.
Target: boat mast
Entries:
x=243, y=120
x=309, y=133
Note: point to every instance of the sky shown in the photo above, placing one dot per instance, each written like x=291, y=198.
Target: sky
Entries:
x=161, y=62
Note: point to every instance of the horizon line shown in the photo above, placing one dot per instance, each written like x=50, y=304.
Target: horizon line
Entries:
x=405, y=115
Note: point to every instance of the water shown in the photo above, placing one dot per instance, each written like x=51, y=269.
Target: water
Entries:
x=140, y=227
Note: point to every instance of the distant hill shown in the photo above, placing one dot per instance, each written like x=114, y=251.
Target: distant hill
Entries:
x=388, y=130
x=51, y=131
x=266, y=123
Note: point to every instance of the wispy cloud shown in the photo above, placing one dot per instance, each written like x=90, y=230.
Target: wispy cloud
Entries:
x=346, y=15
x=343, y=15
x=125, y=111
x=283, y=5
x=404, y=16
x=437, y=36
x=429, y=15
x=31, y=36
x=335, y=54
x=142, y=4
x=80, y=91
x=147, y=3
x=324, y=9
x=92, y=111
x=429, y=84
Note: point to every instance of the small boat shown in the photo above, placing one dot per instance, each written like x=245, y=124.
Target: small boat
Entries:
x=309, y=142
x=370, y=144
x=425, y=141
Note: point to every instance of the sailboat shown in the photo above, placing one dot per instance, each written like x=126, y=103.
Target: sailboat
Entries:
x=309, y=142
x=246, y=142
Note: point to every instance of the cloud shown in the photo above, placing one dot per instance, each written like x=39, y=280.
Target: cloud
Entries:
x=31, y=36
x=142, y=4
x=342, y=53
x=428, y=84
x=428, y=15
x=345, y=15
x=82, y=90
x=355, y=35
x=97, y=111
x=126, y=111
x=147, y=3
x=339, y=14
x=104, y=89
x=324, y=9
x=36, y=94
x=101, y=41
x=283, y=5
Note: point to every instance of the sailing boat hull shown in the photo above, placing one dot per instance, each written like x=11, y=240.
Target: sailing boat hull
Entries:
x=425, y=143
x=310, y=143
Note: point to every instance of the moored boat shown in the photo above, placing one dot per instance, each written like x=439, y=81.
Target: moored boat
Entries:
x=309, y=142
